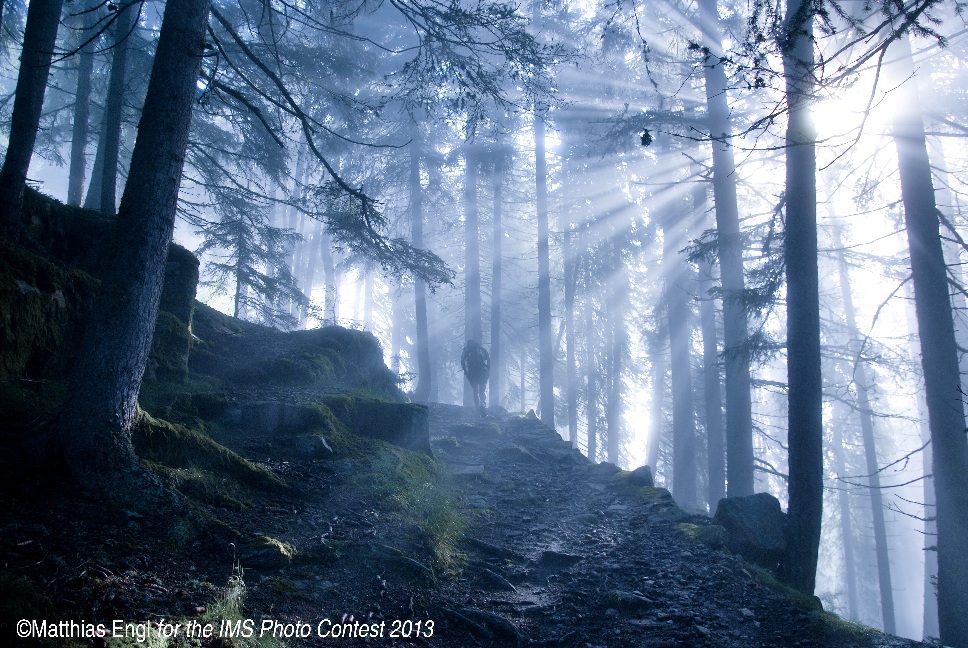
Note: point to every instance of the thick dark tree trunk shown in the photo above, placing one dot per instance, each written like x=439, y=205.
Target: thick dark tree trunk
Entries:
x=804, y=378
x=497, y=265
x=739, y=420
x=939, y=357
x=422, y=389
x=40, y=34
x=82, y=116
x=546, y=354
x=111, y=136
x=102, y=400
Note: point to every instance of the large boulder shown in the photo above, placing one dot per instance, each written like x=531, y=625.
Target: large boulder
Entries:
x=755, y=529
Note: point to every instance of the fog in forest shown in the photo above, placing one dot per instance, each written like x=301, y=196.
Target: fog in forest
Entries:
x=607, y=191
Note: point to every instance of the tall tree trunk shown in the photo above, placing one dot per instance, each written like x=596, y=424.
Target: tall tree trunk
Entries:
x=846, y=524
x=497, y=264
x=82, y=116
x=804, y=378
x=939, y=357
x=473, y=326
x=546, y=360
x=40, y=34
x=865, y=413
x=712, y=384
x=315, y=251
x=739, y=418
x=712, y=392
x=678, y=282
x=591, y=369
x=92, y=199
x=101, y=404
x=658, y=359
x=331, y=303
x=618, y=343
x=422, y=389
x=571, y=368
x=111, y=136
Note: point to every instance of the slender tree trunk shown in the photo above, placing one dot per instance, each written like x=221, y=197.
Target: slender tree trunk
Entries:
x=315, y=246
x=497, y=262
x=658, y=357
x=865, y=413
x=82, y=116
x=331, y=304
x=102, y=400
x=618, y=343
x=422, y=388
x=111, y=136
x=546, y=401
x=92, y=200
x=473, y=326
x=939, y=357
x=804, y=378
x=712, y=384
x=712, y=391
x=591, y=366
x=739, y=419
x=846, y=525
x=678, y=281
x=40, y=34
x=571, y=368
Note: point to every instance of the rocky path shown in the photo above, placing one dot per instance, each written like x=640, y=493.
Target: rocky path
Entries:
x=562, y=552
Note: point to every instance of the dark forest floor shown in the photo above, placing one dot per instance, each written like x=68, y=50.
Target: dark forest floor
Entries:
x=542, y=549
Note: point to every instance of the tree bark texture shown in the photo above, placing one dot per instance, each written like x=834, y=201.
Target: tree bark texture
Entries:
x=739, y=418
x=804, y=378
x=939, y=358
x=102, y=401
x=40, y=34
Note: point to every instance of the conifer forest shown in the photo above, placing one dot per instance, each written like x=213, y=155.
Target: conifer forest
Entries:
x=721, y=239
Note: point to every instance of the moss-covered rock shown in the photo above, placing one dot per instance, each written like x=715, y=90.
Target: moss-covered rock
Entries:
x=176, y=446
x=403, y=424
x=42, y=310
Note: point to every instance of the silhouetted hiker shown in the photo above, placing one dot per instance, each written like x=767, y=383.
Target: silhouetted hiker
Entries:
x=476, y=364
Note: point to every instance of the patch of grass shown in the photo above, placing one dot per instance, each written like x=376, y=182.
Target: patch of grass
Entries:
x=413, y=486
x=228, y=606
x=203, y=486
x=766, y=577
x=690, y=530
